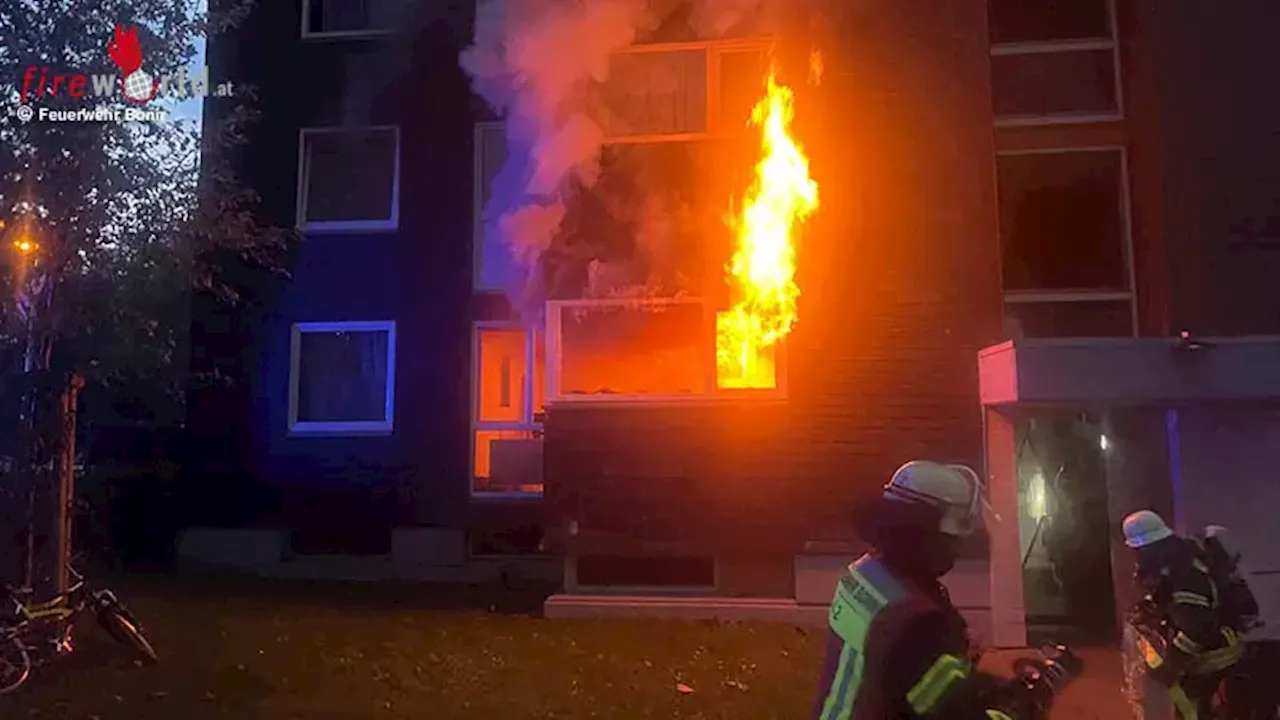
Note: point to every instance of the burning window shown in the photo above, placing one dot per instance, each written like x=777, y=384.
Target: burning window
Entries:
x=632, y=348
x=508, y=392
x=640, y=347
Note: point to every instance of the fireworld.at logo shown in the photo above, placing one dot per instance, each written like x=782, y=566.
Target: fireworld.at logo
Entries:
x=134, y=82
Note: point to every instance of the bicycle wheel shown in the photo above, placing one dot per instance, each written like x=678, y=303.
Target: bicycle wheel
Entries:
x=15, y=665
x=120, y=625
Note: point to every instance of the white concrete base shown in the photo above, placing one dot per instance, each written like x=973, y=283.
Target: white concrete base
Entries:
x=779, y=610
x=784, y=611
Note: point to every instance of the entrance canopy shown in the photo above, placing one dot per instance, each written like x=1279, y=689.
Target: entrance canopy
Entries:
x=1129, y=370
x=1190, y=422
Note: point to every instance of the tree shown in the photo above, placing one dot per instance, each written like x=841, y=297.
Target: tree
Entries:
x=108, y=225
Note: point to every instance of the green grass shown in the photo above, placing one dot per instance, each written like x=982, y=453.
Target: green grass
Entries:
x=244, y=649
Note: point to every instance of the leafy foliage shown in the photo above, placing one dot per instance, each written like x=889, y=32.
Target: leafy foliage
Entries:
x=120, y=221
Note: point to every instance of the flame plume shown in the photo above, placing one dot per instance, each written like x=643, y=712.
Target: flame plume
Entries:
x=761, y=275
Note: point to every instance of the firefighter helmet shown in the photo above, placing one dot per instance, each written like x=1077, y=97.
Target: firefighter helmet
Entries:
x=953, y=489
x=1144, y=527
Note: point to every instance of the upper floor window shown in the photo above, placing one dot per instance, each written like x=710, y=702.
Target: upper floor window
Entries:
x=492, y=264
x=342, y=378
x=681, y=91
x=349, y=179
x=350, y=18
x=1054, y=61
x=1065, y=244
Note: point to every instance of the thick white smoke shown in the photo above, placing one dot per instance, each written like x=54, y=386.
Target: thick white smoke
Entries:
x=534, y=62
x=537, y=62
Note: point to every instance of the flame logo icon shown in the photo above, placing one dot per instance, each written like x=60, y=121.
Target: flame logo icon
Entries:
x=126, y=53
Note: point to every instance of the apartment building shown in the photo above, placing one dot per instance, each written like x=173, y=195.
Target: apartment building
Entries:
x=990, y=170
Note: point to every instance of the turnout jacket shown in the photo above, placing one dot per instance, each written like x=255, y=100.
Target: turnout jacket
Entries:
x=897, y=651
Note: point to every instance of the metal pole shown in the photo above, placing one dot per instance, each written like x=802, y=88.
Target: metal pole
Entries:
x=66, y=475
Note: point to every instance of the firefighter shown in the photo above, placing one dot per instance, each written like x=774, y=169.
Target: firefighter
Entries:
x=897, y=648
x=1195, y=645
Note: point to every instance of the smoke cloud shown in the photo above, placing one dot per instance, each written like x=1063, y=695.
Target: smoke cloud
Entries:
x=540, y=65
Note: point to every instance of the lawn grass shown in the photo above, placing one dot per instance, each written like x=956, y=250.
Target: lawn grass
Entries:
x=272, y=650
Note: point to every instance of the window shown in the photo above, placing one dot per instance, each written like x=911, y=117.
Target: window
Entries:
x=680, y=91
x=1054, y=61
x=493, y=264
x=349, y=179
x=350, y=18
x=507, y=394
x=342, y=378
x=1065, y=246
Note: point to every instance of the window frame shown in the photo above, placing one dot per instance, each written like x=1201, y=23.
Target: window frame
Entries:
x=527, y=424
x=714, y=50
x=296, y=427
x=390, y=224
x=307, y=34
x=710, y=310
x=1042, y=47
x=477, y=206
x=1126, y=238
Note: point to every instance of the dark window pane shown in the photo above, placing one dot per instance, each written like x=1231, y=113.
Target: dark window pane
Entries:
x=742, y=78
x=494, y=263
x=652, y=93
x=342, y=376
x=351, y=175
x=352, y=15
x=1105, y=318
x=1038, y=20
x=1054, y=83
x=1061, y=224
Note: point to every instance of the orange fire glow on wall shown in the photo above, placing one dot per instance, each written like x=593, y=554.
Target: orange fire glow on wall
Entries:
x=761, y=275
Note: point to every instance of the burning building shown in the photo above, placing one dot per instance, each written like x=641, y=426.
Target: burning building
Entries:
x=648, y=295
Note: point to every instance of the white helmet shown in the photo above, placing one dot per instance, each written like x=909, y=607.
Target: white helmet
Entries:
x=955, y=489
x=1143, y=528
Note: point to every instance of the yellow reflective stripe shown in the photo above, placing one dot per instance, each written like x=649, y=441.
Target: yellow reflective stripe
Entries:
x=997, y=715
x=1190, y=598
x=1222, y=658
x=946, y=671
x=1185, y=707
x=844, y=686
x=1186, y=644
x=846, y=618
x=1149, y=653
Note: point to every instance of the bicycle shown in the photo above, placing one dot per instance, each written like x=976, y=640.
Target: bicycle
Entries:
x=48, y=624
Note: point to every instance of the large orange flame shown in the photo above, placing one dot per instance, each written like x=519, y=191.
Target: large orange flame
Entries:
x=761, y=275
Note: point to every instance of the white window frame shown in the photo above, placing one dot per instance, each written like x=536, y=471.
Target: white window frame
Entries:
x=389, y=224
x=477, y=205
x=554, y=350
x=1126, y=237
x=359, y=427
x=527, y=424
x=307, y=34
x=714, y=49
x=1065, y=46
